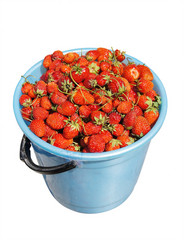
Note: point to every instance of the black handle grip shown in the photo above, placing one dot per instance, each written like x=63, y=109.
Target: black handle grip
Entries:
x=26, y=157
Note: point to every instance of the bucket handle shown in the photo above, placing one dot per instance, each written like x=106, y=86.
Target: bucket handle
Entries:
x=25, y=156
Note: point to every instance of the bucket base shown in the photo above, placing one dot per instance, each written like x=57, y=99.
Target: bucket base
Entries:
x=94, y=209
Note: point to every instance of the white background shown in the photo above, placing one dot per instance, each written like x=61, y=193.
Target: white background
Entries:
x=152, y=31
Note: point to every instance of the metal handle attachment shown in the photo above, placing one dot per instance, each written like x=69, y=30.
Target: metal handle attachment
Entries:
x=25, y=156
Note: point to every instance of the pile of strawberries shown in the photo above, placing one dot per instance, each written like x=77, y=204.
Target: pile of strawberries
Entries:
x=90, y=103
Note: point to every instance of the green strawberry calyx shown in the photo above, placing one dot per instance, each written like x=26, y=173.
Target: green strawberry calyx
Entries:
x=66, y=86
x=153, y=109
x=73, y=125
x=27, y=103
x=131, y=141
x=93, y=68
x=115, y=142
x=101, y=120
x=149, y=102
x=77, y=69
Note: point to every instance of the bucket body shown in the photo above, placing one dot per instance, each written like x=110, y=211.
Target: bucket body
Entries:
x=94, y=186
x=101, y=181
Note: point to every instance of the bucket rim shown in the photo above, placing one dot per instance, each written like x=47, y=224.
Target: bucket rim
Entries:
x=88, y=156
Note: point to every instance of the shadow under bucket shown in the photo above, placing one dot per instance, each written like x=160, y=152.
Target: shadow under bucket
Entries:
x=87, y=182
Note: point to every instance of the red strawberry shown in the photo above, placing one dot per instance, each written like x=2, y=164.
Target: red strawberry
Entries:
x=25, y=100
x=82, y=97
x=106, y=135
x=48, y=75
x=96, y=144
x=114, y=144
x=71, y=130
x=55, y=65
x=116, y=85
x=108, y=107
x=40, y=88
x=40, y=113
x=126, y=133
x=52, y=87
x=47, y=61
x=82, y=61
x=129, y=119
x=56, y=121
x=94, y=107
x=65, y=84
x=114, y=118
x=151, y=115
x=116, y=102
x=100, y=97
x=58, y=98
x=104, y=52
x=107, y=76
x=120, y=56
x=125, y=140
x=145, y=72
x=144, y=102
x=98, y=117
x=129, y=96
x=79, y=73
x=26, y=86
x=45, y=103
x=131, y=72
x=57, y=55
x=117, y=68
x=94, y=67
x=137, y=110
x=105, y=66
x=74, y=147
x=126, y=84
x=65, y=68
x=124, y=107
x=141, y=126
x=119, y=85
x=102, y=80
x=92, y=55
x=31, y=92
x=90, y=128
x=144, y=85
x=152, y=94
x=67, y=108
x=36, y=102
x=56, y=75
x=116, y=129
x=75, y=118
x=84, y=111
x=37, y=126
x=26, y=113
x=49, y=132
x=102, y=58
x=90, y=81
x=69, y=57
x=62, y=142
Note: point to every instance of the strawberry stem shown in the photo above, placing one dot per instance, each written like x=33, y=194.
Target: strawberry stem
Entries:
x=137, y=100
x=26, y=80
x=104, y=104
x=130, y=61
x=114, y=56
x=63, y=92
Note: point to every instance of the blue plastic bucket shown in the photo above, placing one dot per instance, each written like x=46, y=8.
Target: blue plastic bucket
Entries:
x=87, y=182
